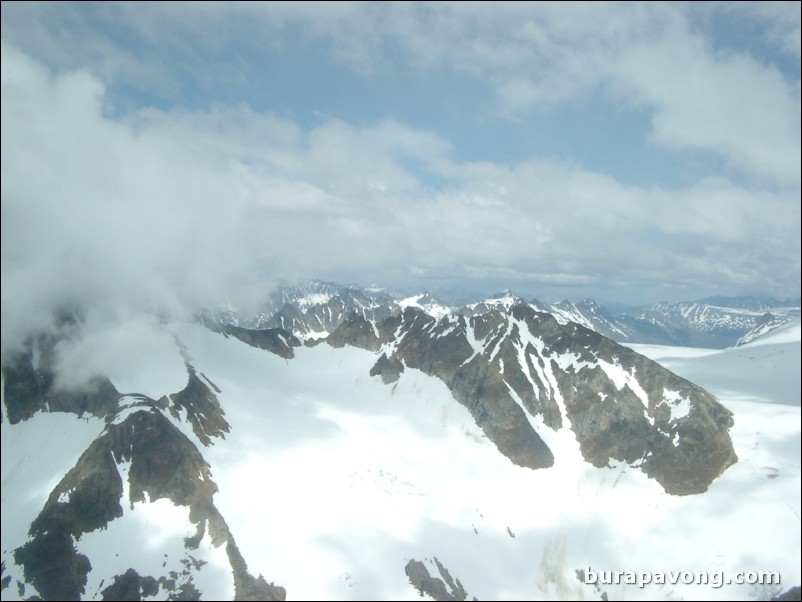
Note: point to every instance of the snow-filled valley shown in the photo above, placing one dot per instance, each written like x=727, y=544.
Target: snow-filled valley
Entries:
x=331, y=482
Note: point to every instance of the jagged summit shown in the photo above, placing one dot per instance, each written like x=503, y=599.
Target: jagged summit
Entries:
x=428, y=303
x=313, y=309
x=143, y=460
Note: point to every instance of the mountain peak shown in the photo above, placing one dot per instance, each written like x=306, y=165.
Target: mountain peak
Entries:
x=505, y=294
x=514, y=366
x=314, y=308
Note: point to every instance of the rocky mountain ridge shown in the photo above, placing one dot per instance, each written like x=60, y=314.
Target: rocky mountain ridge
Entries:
x=143, y=454
x=513, y=368
x=523, y=375
x=314, y=309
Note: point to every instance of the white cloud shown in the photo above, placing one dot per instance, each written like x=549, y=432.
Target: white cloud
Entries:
x=781, y=20
x=135, y=351
x=167, y=211
x=700, y=98
x=729, y=105
x=657, y=56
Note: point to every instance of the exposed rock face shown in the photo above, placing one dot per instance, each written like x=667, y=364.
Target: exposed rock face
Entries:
x=130, y=586
x=389, y=369
x=442, y=348
x=443, y=588
x=795, y=593
x=625, y=407
x=274, y=340
x=162, y=463
x=142, y=452
x=202, y=408
x=30, y=386
x=314, y=309
x=359, y=332
x=513, y=367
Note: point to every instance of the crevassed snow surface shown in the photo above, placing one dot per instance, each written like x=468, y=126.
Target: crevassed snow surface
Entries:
x=330, y=481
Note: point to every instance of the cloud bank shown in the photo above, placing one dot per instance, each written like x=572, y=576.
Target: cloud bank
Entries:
x=163, y=211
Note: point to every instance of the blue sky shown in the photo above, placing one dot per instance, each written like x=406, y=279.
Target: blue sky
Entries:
x=171, y=154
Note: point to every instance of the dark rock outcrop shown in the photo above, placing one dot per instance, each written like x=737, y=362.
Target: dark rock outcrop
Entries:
x=358, y=332
x=443, y=588
x=30, y=387
x=511, y=367
x=389, y=369
x=199, y=401
x=442, y=349
x=162, y=463
x=130, y=586
x=795, y=593
x=275, y=340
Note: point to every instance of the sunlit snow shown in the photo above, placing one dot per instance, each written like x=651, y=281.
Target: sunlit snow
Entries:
x=331, y=481
x=36, y=454
x=153, y=533
x=431, y=307
x=347, y=464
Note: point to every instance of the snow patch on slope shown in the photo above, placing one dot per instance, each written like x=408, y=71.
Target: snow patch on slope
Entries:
x=312, y=299
x=680, y=406
x=149, y=538
x=788, y=333
x=346, y=464
x=402, y=470
x=766, y=372
x=36, y=454
x=427, y=304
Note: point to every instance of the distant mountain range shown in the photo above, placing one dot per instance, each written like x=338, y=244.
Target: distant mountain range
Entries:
x=314, y=309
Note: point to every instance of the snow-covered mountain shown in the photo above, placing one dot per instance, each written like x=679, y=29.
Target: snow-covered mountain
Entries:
x=753, y=303
x=490, y=455
x=693, y=324
x=314, y=309
x=732, y=372
x=500, y=301
x=427, y=303
x=592, y=315
x=767, y=324
x=697, y=324
x=522, y=375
